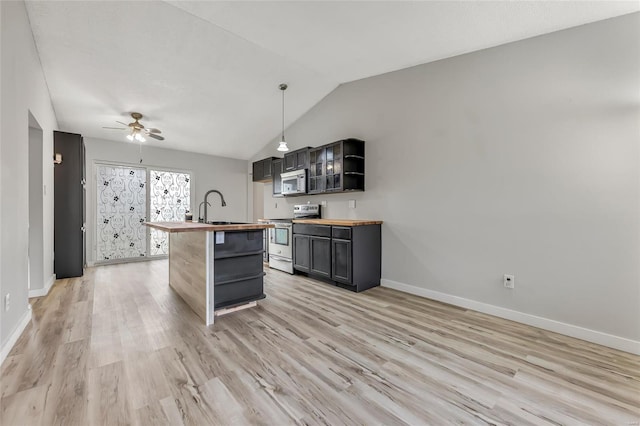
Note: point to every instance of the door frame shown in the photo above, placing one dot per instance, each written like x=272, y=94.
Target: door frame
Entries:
x=94, y=200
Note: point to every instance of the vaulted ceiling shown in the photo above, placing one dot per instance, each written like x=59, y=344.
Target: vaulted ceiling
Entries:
x=207, y=73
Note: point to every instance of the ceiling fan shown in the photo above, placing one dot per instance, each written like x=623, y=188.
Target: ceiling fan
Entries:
x=137, y=130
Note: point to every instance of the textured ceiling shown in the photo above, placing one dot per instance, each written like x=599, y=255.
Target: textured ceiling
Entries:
x=207, y=73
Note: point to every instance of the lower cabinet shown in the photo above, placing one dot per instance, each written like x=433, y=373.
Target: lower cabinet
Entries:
x=347, y=256
x=320, y=256
x=301, y=259
x=341, y=261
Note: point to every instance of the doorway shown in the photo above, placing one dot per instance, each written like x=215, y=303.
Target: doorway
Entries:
x=35, y=281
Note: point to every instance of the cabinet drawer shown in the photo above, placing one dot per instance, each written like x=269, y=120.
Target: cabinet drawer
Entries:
x=315, y=230
x=341, y=232
x=239, y=243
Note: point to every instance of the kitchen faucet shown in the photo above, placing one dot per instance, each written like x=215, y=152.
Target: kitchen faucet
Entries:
x=200, y=218
x=205, y=201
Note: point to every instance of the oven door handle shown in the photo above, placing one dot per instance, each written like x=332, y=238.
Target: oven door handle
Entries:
x=283, y=259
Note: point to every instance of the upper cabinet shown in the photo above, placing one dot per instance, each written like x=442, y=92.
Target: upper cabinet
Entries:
x=262, y=170
x=276, y=170
x=335, y=167
x=338, y=166
x=296, y=160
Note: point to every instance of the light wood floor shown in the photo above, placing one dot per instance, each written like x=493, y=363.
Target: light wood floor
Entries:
x=119, y=347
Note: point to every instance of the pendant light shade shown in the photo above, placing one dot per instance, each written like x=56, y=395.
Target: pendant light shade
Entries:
x=282, y=147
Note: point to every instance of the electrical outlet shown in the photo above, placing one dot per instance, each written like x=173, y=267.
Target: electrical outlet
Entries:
x=509, y=281
x=323, y=203
x=352, y=204
x=7, y=302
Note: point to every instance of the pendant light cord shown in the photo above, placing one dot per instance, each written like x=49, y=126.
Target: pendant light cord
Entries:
x=283, y=113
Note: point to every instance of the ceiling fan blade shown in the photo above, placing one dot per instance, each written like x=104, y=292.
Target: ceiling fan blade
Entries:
x=120, y=122
x=153, y=135
x=152, y=130
x=115, y=128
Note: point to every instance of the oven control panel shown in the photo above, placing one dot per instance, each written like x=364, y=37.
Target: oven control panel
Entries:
x=306, y=210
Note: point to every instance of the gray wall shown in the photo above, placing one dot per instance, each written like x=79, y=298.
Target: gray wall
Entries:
x=23, y=90
x=227, y=175
x=36, y=231
x=519, y=159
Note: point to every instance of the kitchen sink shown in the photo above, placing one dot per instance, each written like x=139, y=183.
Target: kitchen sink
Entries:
x=224, y=222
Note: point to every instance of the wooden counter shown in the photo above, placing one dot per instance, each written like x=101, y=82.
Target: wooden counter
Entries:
x=195, y=226
x=338, y=222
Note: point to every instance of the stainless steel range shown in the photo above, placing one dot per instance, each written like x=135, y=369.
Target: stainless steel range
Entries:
x=281, y=237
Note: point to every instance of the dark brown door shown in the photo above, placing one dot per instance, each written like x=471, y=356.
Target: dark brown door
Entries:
x=341, y=261
x=301, y=258
x=320, y=253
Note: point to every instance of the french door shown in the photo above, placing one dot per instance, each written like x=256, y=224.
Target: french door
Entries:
x=170, y=199
x=121, y=210
x=126, y=197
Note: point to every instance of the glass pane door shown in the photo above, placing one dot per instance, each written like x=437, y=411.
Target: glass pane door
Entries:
x=170, y=199
x=121, y=209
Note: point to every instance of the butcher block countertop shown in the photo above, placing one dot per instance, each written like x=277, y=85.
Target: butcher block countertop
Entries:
x=194, y=226
x=338, y=222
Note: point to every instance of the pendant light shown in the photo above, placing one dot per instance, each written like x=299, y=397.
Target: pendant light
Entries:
x=282, y=147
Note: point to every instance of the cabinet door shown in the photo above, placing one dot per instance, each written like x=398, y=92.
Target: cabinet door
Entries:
x=290, y=161
x=277, y=179
x=341, y=261
x=316, y=170
x=266, y=168
x=301, y=159
x=320, y=253
x=337, y=167
x=328, y=168
x=258, y=171
x=301, y=258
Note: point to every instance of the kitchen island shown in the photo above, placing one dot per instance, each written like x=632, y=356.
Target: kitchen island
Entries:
x=215, y=266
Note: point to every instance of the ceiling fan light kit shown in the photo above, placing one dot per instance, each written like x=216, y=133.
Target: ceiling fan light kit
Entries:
x=282, y=147
x=137, y=130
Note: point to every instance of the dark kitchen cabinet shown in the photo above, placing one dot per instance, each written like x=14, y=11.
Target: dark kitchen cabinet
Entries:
x=262, y=170
x=276, y=170
x=69, y=205
x=349, y=256
x=337, y=167
x=320, y=256
x=296, y=160
x=301, y=258
x=237, y=268
x=316, y=170
x=341, y=261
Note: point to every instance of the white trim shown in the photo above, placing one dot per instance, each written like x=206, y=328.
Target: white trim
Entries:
x=15, y=334
x=39, y=292
x=210, y=277
x=610, y=340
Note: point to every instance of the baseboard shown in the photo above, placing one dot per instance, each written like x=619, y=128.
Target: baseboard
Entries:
x=39, y=292
x=15, y=335
x=609, y=340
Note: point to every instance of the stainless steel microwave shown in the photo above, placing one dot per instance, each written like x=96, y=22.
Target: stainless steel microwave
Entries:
x=294, y=182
